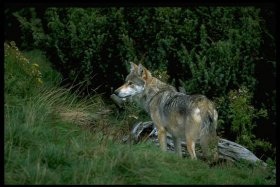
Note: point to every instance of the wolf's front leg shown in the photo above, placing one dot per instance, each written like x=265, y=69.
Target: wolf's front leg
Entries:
x=162, y=138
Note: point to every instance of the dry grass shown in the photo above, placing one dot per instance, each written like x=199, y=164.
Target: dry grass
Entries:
x=80, y=117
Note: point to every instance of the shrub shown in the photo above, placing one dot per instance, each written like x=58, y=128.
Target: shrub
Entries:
x=21, y=76
x=243, y=119
x=214, y=48
x=240, y=119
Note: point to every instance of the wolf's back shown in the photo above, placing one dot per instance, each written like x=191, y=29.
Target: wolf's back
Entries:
x=170, y=102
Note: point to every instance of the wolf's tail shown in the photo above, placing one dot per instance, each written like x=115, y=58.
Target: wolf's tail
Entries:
x=213, y=120
x=208, y=135
x=209, y=123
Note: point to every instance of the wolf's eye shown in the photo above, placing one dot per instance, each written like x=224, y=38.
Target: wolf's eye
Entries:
x=129, y=83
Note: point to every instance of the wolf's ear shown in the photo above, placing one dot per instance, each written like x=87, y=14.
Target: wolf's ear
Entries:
x=133, y=67
x=143, y=72
x=141, y=69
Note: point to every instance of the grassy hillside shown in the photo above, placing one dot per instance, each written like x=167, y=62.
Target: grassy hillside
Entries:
x=53, y=136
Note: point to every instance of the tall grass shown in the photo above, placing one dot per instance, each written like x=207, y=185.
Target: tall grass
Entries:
x=53, y=136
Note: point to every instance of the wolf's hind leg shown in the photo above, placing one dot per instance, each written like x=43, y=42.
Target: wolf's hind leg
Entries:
x=204, y=143
x=209, y=147
x=191, y=148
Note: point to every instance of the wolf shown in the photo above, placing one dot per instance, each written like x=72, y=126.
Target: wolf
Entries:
x=186, y=117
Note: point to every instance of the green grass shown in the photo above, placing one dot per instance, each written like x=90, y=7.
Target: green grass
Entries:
x=55, y=137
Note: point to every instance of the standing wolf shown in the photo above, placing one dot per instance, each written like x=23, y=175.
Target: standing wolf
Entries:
x=188, y=117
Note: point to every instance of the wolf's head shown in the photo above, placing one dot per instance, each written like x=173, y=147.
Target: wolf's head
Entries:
x=135, y=81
